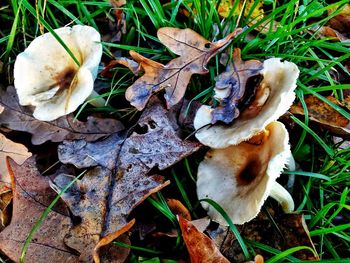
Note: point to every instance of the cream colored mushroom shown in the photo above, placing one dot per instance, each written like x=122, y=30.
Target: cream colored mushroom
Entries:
x=273, y=98
x=241, y=177
x=47, y=77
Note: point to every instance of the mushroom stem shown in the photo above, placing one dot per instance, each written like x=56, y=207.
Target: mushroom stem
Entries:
x=282, y=196
x=96, y=100
x=291, y=162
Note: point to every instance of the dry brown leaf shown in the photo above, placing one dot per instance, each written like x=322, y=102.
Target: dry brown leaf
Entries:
x=194, y=51
x=328, y=32
x=17, y=152
x=119, y=182
x=200, y=247
x=20, y=118
x=235, y=87
x=178, y=209
x=129, y=63
x=31, y=196
x=324, y=115
x=340, y=22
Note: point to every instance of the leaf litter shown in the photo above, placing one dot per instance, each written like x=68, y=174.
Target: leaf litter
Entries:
x=121, y=164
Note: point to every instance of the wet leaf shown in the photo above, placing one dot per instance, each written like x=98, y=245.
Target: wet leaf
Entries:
x=324, y=115
x=235, y=87
x=17, y=152
x=200, y=247
x=31, y=196
x=20, y=118
x=120, y=180
x=194, y=53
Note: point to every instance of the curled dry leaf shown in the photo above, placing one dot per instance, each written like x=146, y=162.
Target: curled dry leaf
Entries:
x=17, y=152
x=200, y=247
x=235, y=87
x=31, y=196
x=18, y=118
x=178, y=208
x=122, y=180
x=194, y=51
x=324, y=115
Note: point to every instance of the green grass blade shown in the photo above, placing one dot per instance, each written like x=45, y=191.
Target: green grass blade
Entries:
x=232, y=226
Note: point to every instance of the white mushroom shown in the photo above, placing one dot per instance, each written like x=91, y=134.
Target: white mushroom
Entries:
x=273, y=98
x=241, y=177
x=47, y=77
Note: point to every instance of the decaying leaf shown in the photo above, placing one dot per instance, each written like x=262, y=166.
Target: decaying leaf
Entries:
x=200, y=247
x=20, y=118
x=32, y=195
x=324, y=115
x=328, y=32
x=194, y=51
x=235, y=87
x=119, y=182
x=286, y=231
x=17, y=152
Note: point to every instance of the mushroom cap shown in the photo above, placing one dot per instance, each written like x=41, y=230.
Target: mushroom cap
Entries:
x=48, y=78
x=240, y=177
x=273, y=98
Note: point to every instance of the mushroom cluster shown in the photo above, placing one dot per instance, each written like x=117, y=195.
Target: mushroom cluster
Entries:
x=246, y=157
x=47, y=77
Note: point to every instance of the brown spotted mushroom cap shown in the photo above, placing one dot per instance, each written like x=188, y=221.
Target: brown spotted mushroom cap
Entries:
x=273, y=98
x=241, y=177
x=47, y=77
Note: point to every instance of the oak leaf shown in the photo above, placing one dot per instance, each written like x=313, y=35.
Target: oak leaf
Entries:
x=235, y=87
x=194, y=51
x=200, y=247
x=17, y=152
x=31, y=196
x=120, y=179
x=19, y=118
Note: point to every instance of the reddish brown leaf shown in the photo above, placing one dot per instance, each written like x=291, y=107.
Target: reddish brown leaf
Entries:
x=20, y=118
x=233, y=89
x=324, y=115
x=194, y=51
x=178, y=209
x=32, y=195
x=120, y=181
x=200, y=247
